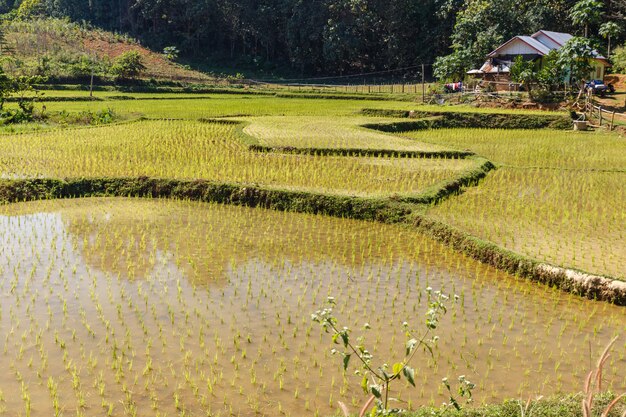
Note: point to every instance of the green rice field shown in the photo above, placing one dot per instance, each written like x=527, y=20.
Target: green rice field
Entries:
x=565, y=191
x=127, y=306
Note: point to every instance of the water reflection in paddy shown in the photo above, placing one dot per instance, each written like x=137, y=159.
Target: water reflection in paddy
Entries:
x=175, y=308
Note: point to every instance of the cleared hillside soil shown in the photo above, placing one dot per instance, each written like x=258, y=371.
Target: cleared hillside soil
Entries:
x=56, y=48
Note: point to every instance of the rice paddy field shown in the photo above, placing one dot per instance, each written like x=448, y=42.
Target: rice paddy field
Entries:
x=565, y=191
x=115, y=306
x=124, y=307
x=193, y=149
x=316, y=132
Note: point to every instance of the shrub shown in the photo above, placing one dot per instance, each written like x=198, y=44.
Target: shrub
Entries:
x=128, y=65
x=619, y=60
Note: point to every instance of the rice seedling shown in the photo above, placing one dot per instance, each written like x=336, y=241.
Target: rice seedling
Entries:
x=216, y=105
x=110, y=306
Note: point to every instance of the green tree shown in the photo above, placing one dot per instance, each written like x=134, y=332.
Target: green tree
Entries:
x=483, y=25
x=539, y=82
x=550, y=76
x=31, y=8
x=609, y=30
x=619, y=60
x=128, y=65
x=171, y=52
x=452, y=67
x=575, y=57
x=305, y=41
x=352, y=35
x=20, y=87
x=586, y=12
x=523, y=72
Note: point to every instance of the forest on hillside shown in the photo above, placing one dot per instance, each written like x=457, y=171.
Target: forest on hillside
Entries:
x=328, y=36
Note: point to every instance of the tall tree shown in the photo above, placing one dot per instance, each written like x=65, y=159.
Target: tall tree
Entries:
x=305, y=41
x=352, y=36
x=609, y=30
x=587, y=12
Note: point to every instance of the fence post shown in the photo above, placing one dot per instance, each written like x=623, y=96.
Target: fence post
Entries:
x=423, y=85
x=612, y=120
x=600, y=111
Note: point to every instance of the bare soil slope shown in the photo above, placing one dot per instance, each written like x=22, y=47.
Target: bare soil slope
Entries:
x=63, y=49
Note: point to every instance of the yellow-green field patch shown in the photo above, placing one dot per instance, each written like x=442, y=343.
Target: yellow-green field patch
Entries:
x=322, y=132
x=195, y=150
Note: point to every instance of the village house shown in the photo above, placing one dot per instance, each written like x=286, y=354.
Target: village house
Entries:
x=533, y=48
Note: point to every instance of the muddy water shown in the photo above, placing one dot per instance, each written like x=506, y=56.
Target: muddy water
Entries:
x=138, y=307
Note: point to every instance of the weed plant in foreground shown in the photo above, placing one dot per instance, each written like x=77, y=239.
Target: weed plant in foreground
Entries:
x=129, y=307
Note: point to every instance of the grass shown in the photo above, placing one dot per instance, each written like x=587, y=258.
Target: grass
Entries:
x=250, y=105
x=61, y=48
x=564, y=185
x=557, y=406
x=217, y=105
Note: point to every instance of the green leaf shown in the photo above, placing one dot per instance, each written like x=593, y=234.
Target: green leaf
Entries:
x=335, y=337
x=397, y=368
x=375, y=391
x=345, y=338
x=409, y=373
x=410, y=345
x=386, y=376
x=346, y=361
x=364, y=384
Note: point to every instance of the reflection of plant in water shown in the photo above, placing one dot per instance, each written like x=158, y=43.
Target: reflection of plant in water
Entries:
x=133, y=236
x=376, y=380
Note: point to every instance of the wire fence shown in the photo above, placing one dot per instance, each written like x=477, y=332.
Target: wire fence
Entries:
x=415, y=88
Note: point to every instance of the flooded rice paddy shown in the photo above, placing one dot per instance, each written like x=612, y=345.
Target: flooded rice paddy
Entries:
x=130, y=307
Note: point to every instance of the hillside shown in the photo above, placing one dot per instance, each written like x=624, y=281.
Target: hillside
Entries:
x=64, y=50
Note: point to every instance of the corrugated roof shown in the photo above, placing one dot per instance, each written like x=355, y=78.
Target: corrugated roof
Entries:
x=542, y=49
x=558, y=37
x=562, y=38
x=489, y=68
x=535, y=44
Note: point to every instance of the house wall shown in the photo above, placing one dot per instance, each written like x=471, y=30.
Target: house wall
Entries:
x=517, y=47
x=598, y=71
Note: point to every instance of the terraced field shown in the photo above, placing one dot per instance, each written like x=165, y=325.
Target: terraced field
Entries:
x=565, y=191
x=124, y=306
